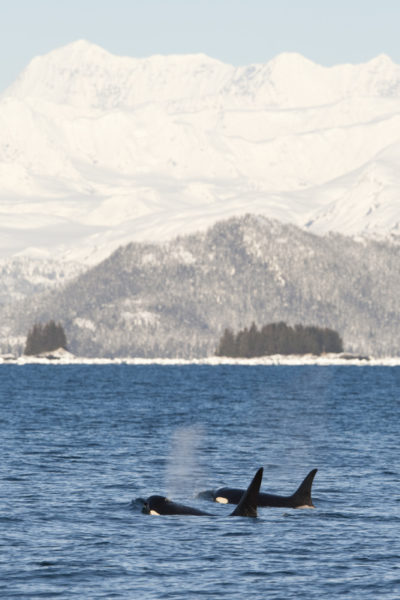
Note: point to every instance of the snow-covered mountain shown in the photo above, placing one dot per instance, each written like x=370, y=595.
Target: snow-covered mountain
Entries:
x=176, y=298
x=98, y=150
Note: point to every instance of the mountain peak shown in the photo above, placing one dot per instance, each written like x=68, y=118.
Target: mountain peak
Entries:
x=80, y=49
x=291, y=60
x=62, y=73
x=382, y=60
x=75, y=55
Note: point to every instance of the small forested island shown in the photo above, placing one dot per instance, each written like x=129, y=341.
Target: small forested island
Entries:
x=278, y=338
x=45, y=338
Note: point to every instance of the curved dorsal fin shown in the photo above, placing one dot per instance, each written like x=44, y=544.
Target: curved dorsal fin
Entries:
x=247, y=506
x=302, y=495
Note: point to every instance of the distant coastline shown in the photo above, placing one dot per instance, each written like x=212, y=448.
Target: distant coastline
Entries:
x=285, y=360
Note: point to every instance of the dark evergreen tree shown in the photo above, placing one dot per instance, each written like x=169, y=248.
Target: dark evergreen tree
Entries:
x=254, y=341
x=242, y=343
x=279, y=338
x=45, y=338
x=227, y=344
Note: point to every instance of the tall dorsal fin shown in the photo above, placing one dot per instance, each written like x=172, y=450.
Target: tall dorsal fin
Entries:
x=247, y=506
x=302, y=495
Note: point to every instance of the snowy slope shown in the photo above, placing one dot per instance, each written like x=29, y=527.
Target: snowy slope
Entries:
x=175, y=299
x=98, y=150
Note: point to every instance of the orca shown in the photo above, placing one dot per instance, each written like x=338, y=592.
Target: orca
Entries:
x=246, y=506
x=300, y=499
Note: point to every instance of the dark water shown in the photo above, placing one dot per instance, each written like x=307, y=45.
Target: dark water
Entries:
x=79, y=443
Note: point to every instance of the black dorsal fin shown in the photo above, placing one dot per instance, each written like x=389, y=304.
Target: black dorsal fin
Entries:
x=247, y=506
x=302, y=496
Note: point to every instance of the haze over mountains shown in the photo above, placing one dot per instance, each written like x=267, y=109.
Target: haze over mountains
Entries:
x=98, y=150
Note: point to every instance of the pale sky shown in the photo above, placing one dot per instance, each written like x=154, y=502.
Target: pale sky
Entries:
x=238, y=32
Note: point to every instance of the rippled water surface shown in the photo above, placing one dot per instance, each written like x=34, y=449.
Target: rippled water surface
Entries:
x=80, y=445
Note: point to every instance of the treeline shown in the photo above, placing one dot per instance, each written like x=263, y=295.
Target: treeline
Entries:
x=278, y=338
x=45, y=338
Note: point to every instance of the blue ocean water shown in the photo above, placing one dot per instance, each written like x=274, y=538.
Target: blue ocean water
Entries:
x=80, y=443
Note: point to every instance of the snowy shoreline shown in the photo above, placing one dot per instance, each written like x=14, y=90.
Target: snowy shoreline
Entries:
x=289, y=360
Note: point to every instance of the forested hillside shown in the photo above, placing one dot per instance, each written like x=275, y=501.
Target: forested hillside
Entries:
x=175, y=299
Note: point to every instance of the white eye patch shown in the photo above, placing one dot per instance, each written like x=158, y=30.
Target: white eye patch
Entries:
x=221, y=500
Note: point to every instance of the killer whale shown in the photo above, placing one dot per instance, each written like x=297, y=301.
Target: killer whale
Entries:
x=160, y=505
x=300, y=499
x=246, y=506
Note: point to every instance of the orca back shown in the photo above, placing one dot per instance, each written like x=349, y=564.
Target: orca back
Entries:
x=160, y=505
x=300, y=498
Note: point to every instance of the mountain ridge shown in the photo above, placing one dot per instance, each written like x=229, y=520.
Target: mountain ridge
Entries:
x=289, y=70
x=98, y=150
x=119, y=149
x=174, y=299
